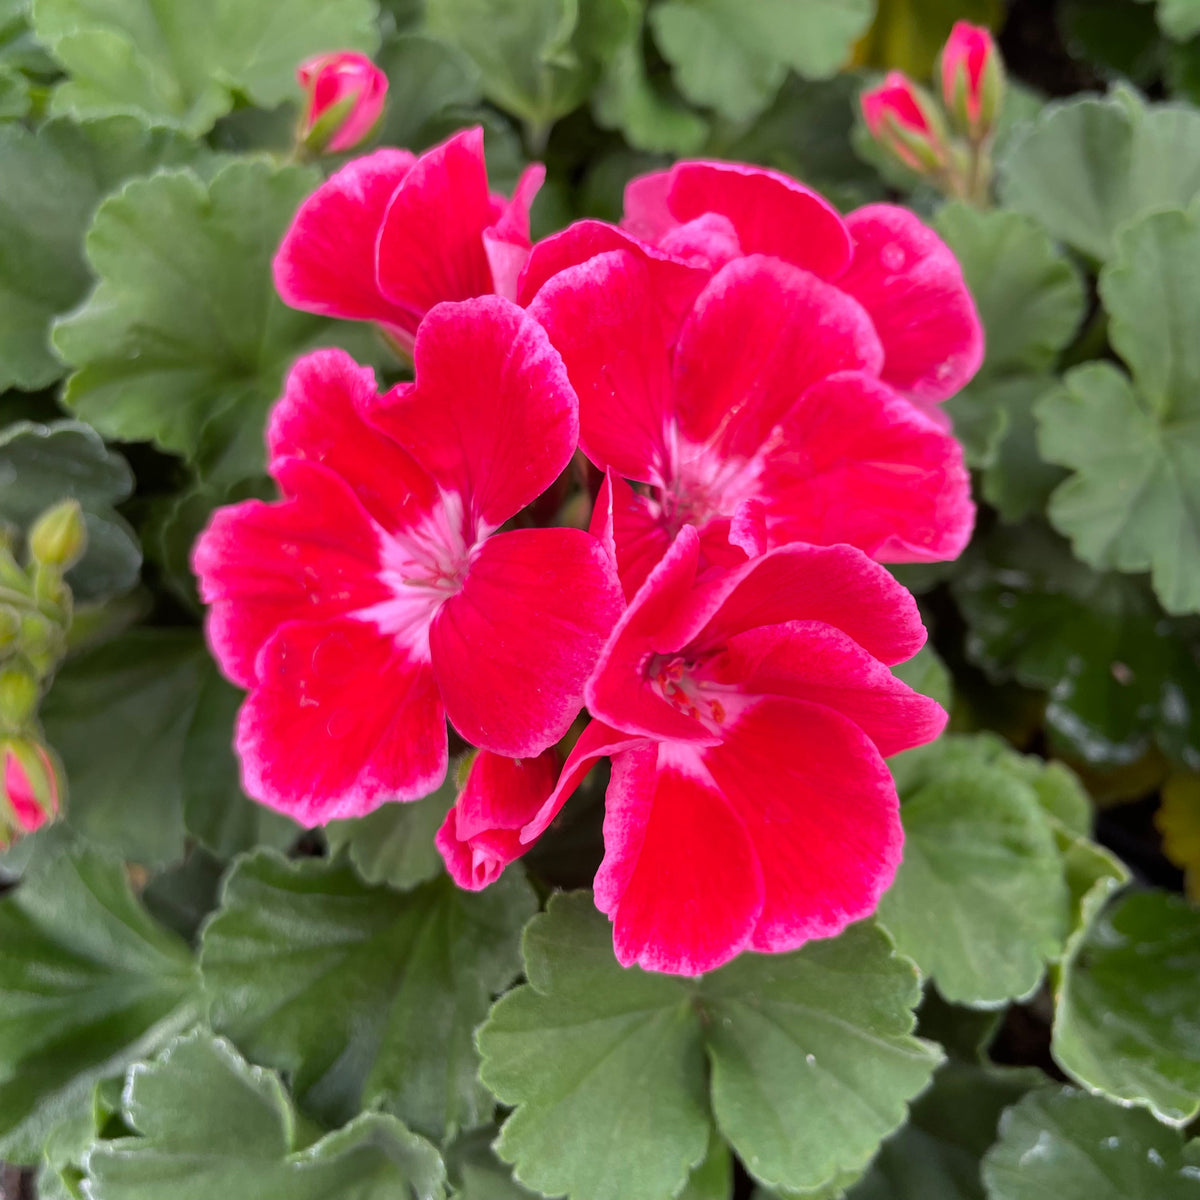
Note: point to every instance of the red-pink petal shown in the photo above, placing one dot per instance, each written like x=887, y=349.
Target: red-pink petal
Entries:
x=507, y=242
x=821, y=811
x=320, y=418
x=761, y=332
x=342, y=719
x=326, y=263
x=908, y=279
x=838, y=585
x=513, y=648
x=603, y=318
x=492, y=415
x=855, y=462
x=597, y=741
x=812, y=661
x=772, y=213
x=630, y=529
x=480, y=835
x=647, y=213
x=680, y=877
x=710, y=241
x=430, y=245
x=312, y=556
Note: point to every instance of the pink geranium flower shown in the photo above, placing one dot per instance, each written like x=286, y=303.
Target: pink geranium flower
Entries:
x=376, y=598
x=895, y=266
x=747, y=714
x=749, y=402
x=392, y=234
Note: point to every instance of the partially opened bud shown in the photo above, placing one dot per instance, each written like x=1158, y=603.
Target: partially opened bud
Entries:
x=59, y=537
x=904, y=118
x=29, y=795
x=346, y=93
x=481, y=833
x=972, y=79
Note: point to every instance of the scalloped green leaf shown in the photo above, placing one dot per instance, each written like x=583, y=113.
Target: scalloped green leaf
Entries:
x=812, y=1061
x=1127, y=1023
x=42, y=464
x=1119, y=674
x=1087, y=166
x=51, y=181
x=362, y=994
x=1062, y=1144
x=184, y=342
x=207, y=1123
x=183, y=63
x=980, y=901
x=89, y=983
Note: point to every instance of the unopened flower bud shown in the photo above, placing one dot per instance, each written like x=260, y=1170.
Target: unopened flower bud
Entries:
x=19, y=695
x=29, y=790
x=346, y=93
x=59, y=537
x=972, y=79
x=905, y=120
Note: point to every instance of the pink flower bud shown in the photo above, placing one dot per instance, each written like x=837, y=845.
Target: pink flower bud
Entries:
x=904, y=118
x=972, y=79
x=346, y=93
x=30, y=789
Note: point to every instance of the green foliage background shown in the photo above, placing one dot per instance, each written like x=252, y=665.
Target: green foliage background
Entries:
x=199, y=999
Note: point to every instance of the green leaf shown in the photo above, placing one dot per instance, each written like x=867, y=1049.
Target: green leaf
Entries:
x=538, y=59
x=1126, y=1017
x=1179, y=19
x=1133, y=502
x=362, y=994
x=1029, y=295
x=936, y=1155
x=144, y=728
x=1119, y=675
x=650, y=116
x=1062, y=1144
x=209, y=1124
x=51, y=181
x=426, y=77
x=926, y=673
x=980, y=901
x=89, y=982
x=1119, y=39
x=394, y=844
x=734, y=57
x=42, y=464
x=184, y=342
x=182, y=64
x=1088, y=166
x=812, y=1061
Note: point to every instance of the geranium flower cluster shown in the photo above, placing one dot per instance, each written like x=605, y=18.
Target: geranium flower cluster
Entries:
x=753, y=379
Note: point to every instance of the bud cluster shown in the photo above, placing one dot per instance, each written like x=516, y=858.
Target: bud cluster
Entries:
x=35, y=614
x=950, y=142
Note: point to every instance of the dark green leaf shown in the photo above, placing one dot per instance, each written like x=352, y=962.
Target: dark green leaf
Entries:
x=926, y=673
x=184, y=342
x=361, y=993
x=812, y=1061
x=1127, y=1022
x=50, y=184
x=181, y=64
x=89, y=982
x=1062, y=1144
x=426, y=77
x=1118, y=673
x=42, y=464
x=209, y=1124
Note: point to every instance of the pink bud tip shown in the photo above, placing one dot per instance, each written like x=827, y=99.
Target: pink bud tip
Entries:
x=969, y=50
